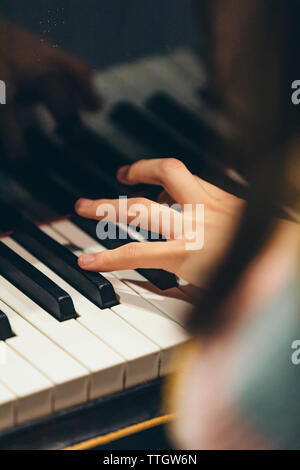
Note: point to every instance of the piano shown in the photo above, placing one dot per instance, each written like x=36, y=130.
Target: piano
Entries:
x=85, y=355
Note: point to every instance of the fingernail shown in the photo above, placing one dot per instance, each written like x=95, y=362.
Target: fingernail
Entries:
x=86, y=260
x=83, y=203
x=123, y=172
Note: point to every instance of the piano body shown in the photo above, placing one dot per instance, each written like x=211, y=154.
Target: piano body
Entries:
x=84, y=355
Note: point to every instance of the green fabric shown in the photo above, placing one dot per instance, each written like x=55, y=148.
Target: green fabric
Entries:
x=266, y=384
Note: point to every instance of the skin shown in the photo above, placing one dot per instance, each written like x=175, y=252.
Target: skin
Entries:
x=36, y=71
x=222, y=213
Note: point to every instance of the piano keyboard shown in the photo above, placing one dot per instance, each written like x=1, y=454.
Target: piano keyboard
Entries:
x=51, y=365
x=68, y=337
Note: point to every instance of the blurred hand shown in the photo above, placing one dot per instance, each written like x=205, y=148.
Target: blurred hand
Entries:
x=196, y=264
x=36, y=71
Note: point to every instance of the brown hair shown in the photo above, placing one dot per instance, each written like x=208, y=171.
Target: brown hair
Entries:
x=252, y=61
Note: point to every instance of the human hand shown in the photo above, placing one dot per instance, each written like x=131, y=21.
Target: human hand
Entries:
x=182, y=256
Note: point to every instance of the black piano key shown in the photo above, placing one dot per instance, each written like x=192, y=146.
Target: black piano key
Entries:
x=65, y=174
x=89, y=162
x=74, y=167
x=96, y=156
x=22, y=198
x=158, y=277
x=81, y=140
x=92, y=285
x=51, y=178
x=163, y=140
x=182, y=119
x=35, y=285
x=33, y=176
x=210, y=99
x=9, y=217
x=38, y=183
x=5, y=328
x=167, y=142
x=63, y=166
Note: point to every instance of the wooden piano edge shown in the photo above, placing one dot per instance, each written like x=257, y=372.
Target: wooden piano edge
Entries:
x=122, y=433
x=94, y=423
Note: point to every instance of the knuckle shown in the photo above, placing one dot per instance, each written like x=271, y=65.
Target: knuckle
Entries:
x=139, y=163
x=170, y=164
x=131, y=250
x=134, y=169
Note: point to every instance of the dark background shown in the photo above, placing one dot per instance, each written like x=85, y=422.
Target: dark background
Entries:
x=105, y=32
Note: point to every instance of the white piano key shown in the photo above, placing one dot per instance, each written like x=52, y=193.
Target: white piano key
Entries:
x=109, y=84
x=46, y=228
x=133, y=308
x=106, y=367
x=133, y=81
x=69, y=378
x=100, y=122
x=75, y=236
x=146, y=77
x=33, y=390
x=136, y=82
x=194, y=72
x=179, y=84
x=110, y=88
x=190, y=291
x=146, y=318
x=7, y=404
x=170, y=79
x=142, y=354
x=176, y=302
x=190, y=65
x=173, y=302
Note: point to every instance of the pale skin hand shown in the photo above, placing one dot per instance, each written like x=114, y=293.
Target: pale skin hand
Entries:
x=222, y=214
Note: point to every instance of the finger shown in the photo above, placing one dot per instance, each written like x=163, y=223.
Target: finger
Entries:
x=158, y=255
x=142, y=212
x=169, y=173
